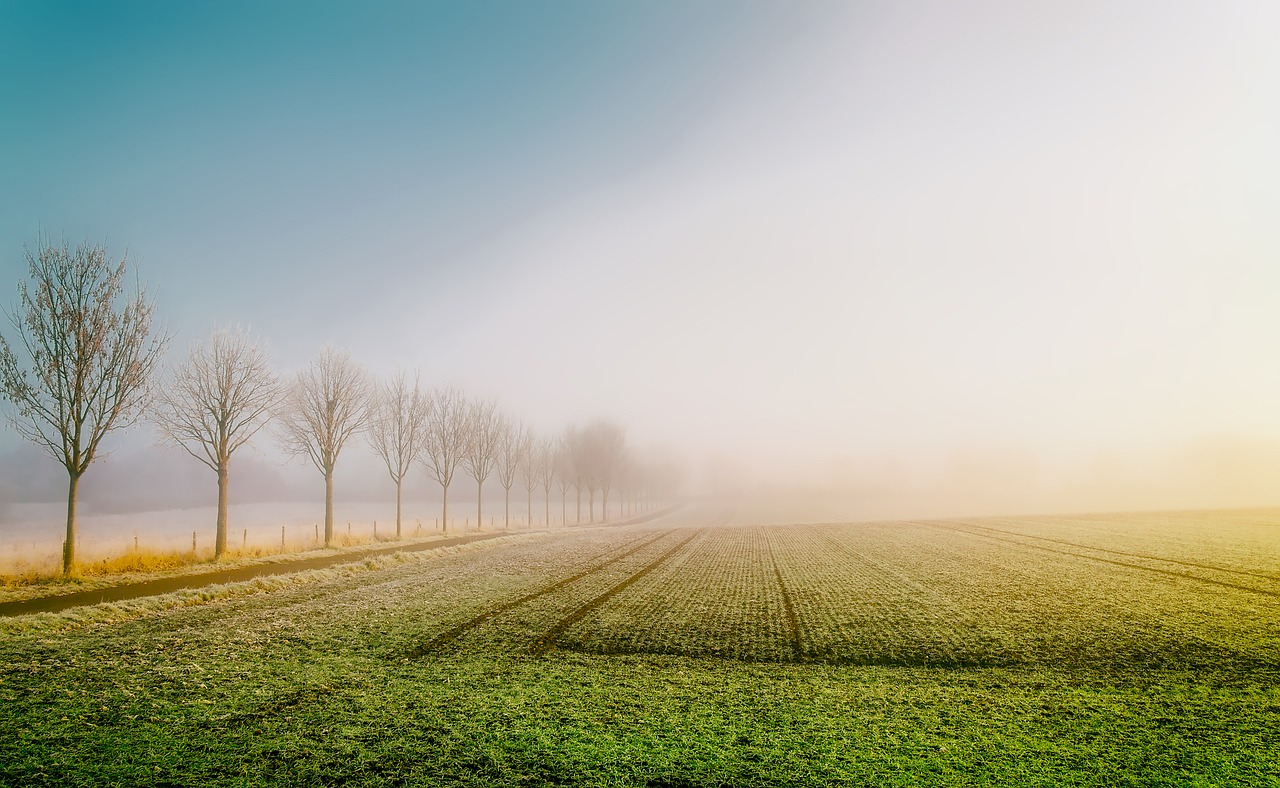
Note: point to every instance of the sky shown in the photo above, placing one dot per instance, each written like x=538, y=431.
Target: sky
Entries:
x=1023, y=252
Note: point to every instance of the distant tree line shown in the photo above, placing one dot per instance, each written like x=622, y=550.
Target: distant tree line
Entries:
x=83, y=360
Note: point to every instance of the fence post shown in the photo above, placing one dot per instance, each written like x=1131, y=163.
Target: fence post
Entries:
x=282, y=538
x=193, y=542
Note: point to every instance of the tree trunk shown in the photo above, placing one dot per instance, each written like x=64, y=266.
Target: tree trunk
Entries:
x=528, y=518
x=399, y=482
x=328, y=509
x=69, y=548
x=604, y=505
x=546, y=500
x=578, y=521
x=479, y=503
x=444, y=510
x=506, y=512
x=220, y=536
x=564, y=495
x=591, y=494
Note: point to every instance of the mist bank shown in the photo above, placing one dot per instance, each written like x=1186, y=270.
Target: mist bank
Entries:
x=1207, y=473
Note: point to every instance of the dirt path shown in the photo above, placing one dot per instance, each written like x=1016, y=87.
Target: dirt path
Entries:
x=167, y=585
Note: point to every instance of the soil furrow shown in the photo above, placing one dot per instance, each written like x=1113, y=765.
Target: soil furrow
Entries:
x=456, y=631
x=548, y=640
x=1246, y=573
x=793, y=625
x=1127, y=565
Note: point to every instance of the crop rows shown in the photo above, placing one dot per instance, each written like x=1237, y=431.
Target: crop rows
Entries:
x=1254, y=580
x=924, y=594
x=533, y=621
x=932, y=593
x=719, y=597
x=1243, y=542
x=548, y=639
x=854, y=607
x=391, y=611
x=623, y=551
x=1011, y=603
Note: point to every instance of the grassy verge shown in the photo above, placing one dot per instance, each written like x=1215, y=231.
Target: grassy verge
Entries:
x=142, y=565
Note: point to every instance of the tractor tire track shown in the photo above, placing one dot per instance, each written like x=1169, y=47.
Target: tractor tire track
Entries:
x=458, y=630
x=1144, y=556
x=548, y=640
x=793, y=623
x=1113, y=562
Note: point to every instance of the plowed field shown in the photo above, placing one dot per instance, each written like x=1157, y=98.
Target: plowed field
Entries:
x=700, y=649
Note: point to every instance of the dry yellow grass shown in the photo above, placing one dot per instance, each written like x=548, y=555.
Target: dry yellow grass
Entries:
x=143, y=560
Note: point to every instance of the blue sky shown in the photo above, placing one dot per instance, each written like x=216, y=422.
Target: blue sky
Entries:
x=233, y=146
x=925, y=243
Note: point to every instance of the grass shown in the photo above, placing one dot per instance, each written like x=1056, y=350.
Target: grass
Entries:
x=23, y=580
x=936, y=658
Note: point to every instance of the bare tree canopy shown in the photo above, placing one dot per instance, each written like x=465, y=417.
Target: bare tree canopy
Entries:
x=546, y=458
x=513, y=445
x=398, y=429
x=565, y=474
x=578, y=458
x=327, y=404
x=484, y=427
x=446, y=441
x=605, y=451
x=214, y=402
x=92, y=355
x=594, y=454
x=530, y=467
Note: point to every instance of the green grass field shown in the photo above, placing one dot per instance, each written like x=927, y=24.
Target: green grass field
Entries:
x=696, y=650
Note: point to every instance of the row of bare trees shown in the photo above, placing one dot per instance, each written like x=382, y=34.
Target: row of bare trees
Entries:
x=224, y=392
x=94, y=352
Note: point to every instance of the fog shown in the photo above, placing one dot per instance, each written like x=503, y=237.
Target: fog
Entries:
x=907, y=259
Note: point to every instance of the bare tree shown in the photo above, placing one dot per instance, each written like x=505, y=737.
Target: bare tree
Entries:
x=446, y=441
x=92, y=356
x=215, y=401
x=530, y=469
x=327, y=404
x=398, y=429
x=606, y=443
x=582, y=455
x=483, y=435
x=626, y=477
x=513, y=445
x=575, y=462
x=565, y=477
x=546, y=472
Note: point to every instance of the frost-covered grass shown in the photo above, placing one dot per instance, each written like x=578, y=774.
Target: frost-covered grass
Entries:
x=135, y=566
x=913, y=654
